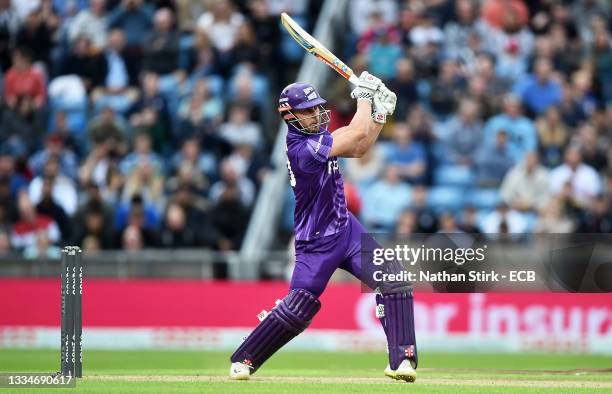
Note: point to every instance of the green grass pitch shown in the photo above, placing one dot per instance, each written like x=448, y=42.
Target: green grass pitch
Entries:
x=316, y=372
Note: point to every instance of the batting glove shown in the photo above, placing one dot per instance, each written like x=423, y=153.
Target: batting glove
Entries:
x=385, y=100
x=383, y=104
x=368, y=84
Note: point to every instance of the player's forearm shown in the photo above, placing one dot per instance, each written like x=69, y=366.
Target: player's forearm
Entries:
x=361, y=126
x=374, y=130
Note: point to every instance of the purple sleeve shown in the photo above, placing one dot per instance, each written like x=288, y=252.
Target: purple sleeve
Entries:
x=315, y=152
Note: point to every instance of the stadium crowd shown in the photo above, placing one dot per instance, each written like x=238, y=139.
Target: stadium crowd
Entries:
x=134, y=124
x=504, y=116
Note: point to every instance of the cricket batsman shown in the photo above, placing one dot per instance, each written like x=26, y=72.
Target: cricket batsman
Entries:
x=327, y=235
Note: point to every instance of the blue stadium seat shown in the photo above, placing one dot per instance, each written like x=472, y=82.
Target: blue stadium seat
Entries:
x=453, y=175
x=445, y=198
x=483, y=199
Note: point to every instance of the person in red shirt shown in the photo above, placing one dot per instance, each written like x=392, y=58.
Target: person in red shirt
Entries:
x=24, y=82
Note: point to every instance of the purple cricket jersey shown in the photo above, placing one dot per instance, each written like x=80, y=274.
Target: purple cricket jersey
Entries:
x=320, y=205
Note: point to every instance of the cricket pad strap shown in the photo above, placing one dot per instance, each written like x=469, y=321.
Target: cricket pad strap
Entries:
x=286, y=321
x=399, y=327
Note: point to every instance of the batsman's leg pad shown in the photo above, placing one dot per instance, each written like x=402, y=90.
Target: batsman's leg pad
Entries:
x=288, y=319
x=399, y=327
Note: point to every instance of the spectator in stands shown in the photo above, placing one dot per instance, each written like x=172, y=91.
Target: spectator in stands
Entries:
x=36, y=33
x=389, y=192
x=553, y=220
x=494, y=11
x=5, y=242
x=8, y=207
x=504, y=221
x=175, y=233
x=384, y=52
x=137, y=213
x=570, y=108
x=492, y=163
x=72, y=138
x=426, y=220
x=94, y=219
x=229, y=217
x=266, y=33
x=116, y=90
x=201, y=110
x=521, y=133
x=361, y=11
x=136, y=19
x=406, y=224
x=147, y=181
x=186, y=10
x=468, y=223
x=13, y=180
x=187, y=175
x=9, y=25
x=525, y=186
x=239, y=129
x=446, y=89
x=108, y=128
x=25, y=230
x=511, y=43
x=42, y=248
x=83, y=61
x=405, y=87
x=91, y=23
x=150, y=113
x=596, y=217
x=462, y=136
x=457, y=32
x=407, y=155
x=64, y=190
x=221, y=24
x=142, y=154
x=162, y=49
x=539, y=91
x=448, y=223
x=364, y=170
x=582, y=92
x=426, y=32
x=49, y=206
x=23, y=84
x=494, y=85
x=591, y=148
x=233, y=177
x=553, y=136
x=581, y=179
x=602, y=58
x=132, y=240
x=202, y=162
x=54, y=147
x=245, y=51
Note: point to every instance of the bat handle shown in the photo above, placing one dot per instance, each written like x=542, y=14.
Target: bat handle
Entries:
x=354, y=79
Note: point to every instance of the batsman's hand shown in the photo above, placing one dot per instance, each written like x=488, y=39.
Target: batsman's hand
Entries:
x=384, y=101
x=368, y=84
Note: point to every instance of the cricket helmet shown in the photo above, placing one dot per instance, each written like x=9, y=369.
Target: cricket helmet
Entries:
x=300, y=96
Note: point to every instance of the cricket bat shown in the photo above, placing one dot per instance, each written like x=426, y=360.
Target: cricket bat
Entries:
x=314, y=47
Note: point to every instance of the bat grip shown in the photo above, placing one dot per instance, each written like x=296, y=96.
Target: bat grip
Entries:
x=354, y=79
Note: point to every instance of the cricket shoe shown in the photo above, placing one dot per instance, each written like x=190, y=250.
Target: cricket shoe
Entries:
x=404, y=372
x=240, y=371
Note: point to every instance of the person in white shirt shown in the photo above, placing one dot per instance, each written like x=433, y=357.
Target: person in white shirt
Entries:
x=584, y=181
x=525, y=187
x=221, y=25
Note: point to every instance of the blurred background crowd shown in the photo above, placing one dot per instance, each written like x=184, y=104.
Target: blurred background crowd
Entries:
x=504, y=116
x=137, y=124
x=148, y=124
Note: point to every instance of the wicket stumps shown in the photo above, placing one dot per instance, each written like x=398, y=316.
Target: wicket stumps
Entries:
x=71, y=357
